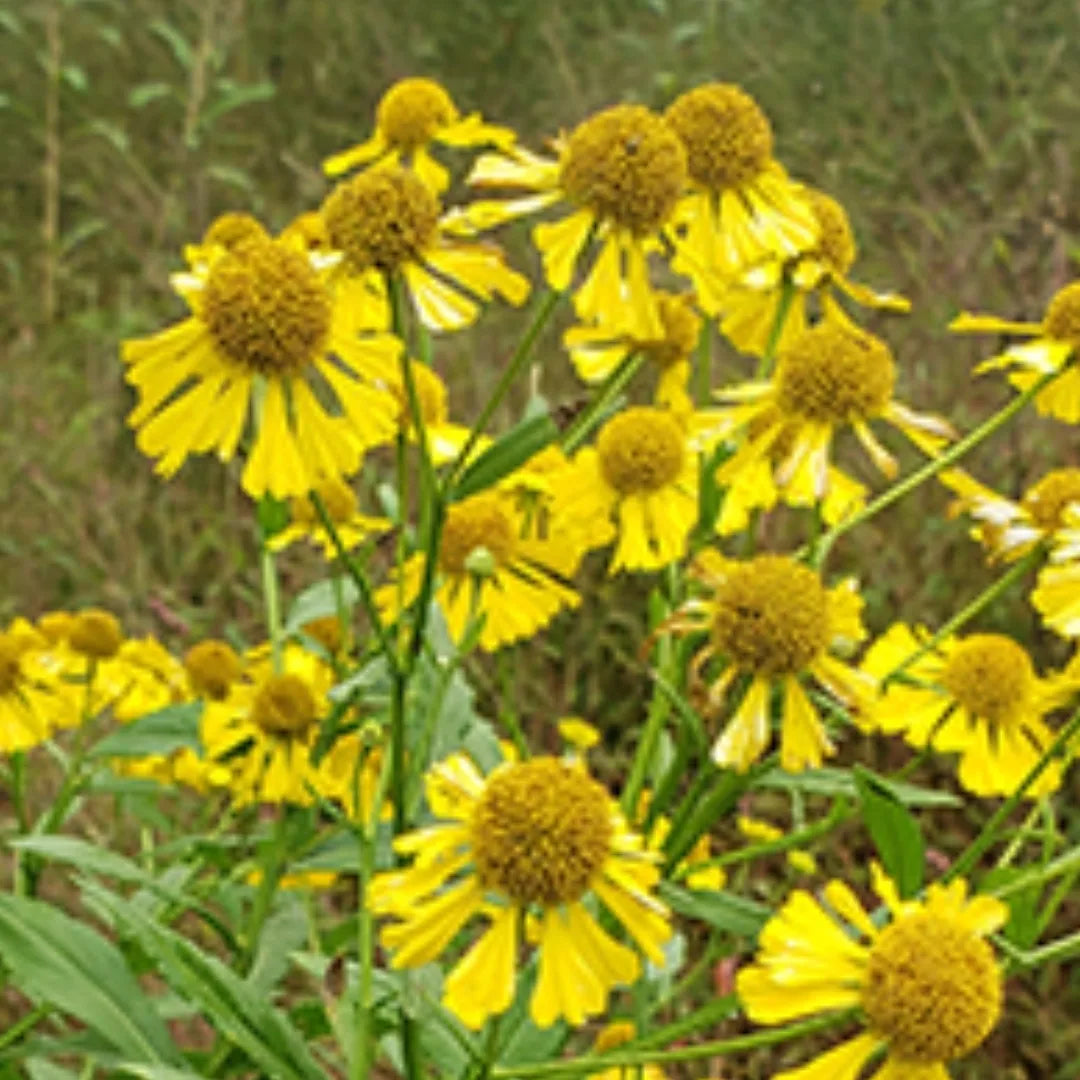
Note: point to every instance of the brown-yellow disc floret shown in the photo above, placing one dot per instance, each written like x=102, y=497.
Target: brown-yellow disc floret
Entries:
x=285, y=706
x=835, y=374
x=96, y=634
x=1062, y=319
x=412, y=111
x=770, y=616
x=10, y=663
x=836, y=242
x=381, y=219
x=626, y=166
x=478, y=522
x=212, y=666
x=728, y=138
x=932, y=988
x=682, y=327
x=327, y=631
x=1046, y=500
x=338, y=499
x=541, y=832
x=233, y=229
x=266, y=309
x=641, y=450
x=991, y=676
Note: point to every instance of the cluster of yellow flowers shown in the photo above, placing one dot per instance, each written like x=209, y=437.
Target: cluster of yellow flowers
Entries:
x=659, y=226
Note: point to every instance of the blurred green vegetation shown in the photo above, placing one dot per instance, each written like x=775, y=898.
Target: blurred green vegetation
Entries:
x=946, y=127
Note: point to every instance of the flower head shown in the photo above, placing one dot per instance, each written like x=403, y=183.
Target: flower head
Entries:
x=262, y=317
x=978, y=696
x=927, y=984
x=340, y=503
x=540, y=839
x=1052, y=348
x=772, y=624
x=413, y=114
x=620, y=172
x=33, y=702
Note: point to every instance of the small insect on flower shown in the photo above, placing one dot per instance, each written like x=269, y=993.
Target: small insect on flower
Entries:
x=927, y=984
x=532, y=846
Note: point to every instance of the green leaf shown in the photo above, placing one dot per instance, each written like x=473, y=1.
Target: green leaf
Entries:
x=172, y=37
x=722, y=910
x=232, y=176
x=143, y=94
x=161, y=732
x=235, y=97
x=318, y=601
x=156, y=1072
x=509, y=453
x=832, y=782
x=893, y=829
x=55, y=959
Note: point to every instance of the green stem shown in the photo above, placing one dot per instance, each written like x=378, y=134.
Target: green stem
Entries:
x=703, y=365
x=974, y=851
x=1045, y=954
x=507, y=713
x=582, y=426
x=272, y=601
x=591, y=1063
x=783, y=306
x=271, y=864
x=934, y=465
x=1063, y=864
x=506, y=380
x=21, y=1026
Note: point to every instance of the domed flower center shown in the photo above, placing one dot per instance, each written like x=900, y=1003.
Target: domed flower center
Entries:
x=541, y=832
x=990, y=676
x=625, y=165
x=336, y=496
x=96, y=634
x=233, y=229
x=412, y=111
x=836, y=243
x=285, y=706
x=10, y=667
x=266, y=309
x=381, y=218
x=1046, y=501
x=474, y=524
x=727, y=137
x=430, y=395
x=932, y=988
x=770, y=616
x=641, y=450
x=212, y=667
x=328, y=632
x=835, y=374
x=1062, y=319
x=682, y=327
x=56, y=626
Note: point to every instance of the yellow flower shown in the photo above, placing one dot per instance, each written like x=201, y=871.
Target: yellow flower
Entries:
x=1053, y=348
x=386, y=222
x=637, y=486
x=445, y=439
x=1008, y=529
x=773, y=624
x=297, y=879
x=339, y=499
x=32, y=699
x=749, y=306
x=266, y=337
x=534, y=838
x=927, y=983
x=489, y=567
x=741, y=207
x=832, y=376
x=266, y=727
x=212, y=666
x=977, y=696
x=412, y=115
x=620, y=172
x=765, y=833
x=1057, y=598
x=614, y=1035
x=597, y=349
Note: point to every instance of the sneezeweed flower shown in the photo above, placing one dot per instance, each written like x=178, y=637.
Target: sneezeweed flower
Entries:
x=597, y=349
x=32, y=700
x=266, y=727
x=773, y=625
x=927, y=984
x=750, y=305
x=637, y=486
x=411, y=115
x=212, y=667
x=534, y=840
x=1053, y=347
x=1009, y=529
x=444, y=438
x=340, y=502
x=1056, y=595
x=620, y=172
x=741, y=208
x=387, y=223
x=265, y=338
x=156, y=679
x=226, y=232
x=488, y=567
x=832, y=376
x=978, y=696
